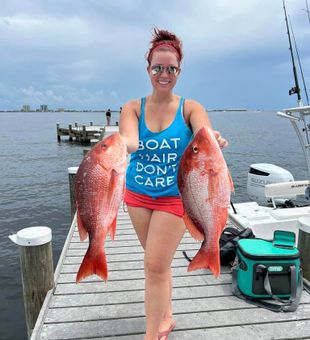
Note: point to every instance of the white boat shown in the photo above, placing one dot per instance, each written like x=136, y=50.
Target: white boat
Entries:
x=272, y=188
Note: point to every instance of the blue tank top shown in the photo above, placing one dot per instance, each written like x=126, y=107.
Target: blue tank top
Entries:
x=153, y=168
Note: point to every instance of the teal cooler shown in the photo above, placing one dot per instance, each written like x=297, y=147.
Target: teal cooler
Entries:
x=275, y=263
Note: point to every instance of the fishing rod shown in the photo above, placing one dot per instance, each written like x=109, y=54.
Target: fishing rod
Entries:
x=307, y=10
x=299, y=62
x=296, y=88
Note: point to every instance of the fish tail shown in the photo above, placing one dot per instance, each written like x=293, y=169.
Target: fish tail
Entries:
x=93, y=263
x=206, y=259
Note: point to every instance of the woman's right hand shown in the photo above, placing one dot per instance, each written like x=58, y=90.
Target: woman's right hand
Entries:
x=222, y=142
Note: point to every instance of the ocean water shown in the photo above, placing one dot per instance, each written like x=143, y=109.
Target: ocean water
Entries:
x=34, y=186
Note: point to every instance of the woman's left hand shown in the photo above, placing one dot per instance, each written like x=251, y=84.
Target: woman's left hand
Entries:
x=221, y=141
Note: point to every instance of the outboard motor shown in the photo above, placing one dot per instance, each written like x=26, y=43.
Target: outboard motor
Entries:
x=261, y=174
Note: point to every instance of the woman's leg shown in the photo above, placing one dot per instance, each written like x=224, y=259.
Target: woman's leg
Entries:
x=167, y=320
x=164, y=235
x=140, y=218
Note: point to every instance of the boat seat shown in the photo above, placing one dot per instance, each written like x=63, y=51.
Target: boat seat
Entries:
x=289, y=213
x=286, y=189
x=252, y=211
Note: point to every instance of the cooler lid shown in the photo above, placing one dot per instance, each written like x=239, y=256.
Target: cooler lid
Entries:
x=259, y=249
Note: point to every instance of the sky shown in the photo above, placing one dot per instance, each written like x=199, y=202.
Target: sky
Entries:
x=90, y=54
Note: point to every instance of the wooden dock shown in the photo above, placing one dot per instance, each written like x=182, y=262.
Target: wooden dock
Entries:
x=85, y=133
x=204, y=307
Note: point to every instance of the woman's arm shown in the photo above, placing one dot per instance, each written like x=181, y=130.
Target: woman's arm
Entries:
x=198, y=117
x=128, y=125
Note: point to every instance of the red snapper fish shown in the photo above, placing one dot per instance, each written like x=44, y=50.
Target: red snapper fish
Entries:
x=205, y=185
x=99, y=187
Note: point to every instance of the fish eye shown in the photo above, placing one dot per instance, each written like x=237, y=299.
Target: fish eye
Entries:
x=103, y=146
x=195, y=148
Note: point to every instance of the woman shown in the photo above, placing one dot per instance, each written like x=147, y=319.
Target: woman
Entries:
x=157, y=130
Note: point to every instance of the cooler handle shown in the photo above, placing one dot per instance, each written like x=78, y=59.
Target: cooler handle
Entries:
x=284, y=239
x=285, y=305
x=268, y=289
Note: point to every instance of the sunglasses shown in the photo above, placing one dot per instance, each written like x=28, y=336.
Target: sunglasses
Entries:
x=158, y=69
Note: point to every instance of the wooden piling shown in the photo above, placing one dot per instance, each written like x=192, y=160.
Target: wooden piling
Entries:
x=37, y=271
x=70, y=132
x=72, y=174
x=93, y=142
x=304, y=245
x=84, y=134
x=102, y=131
x=97, y=136
x=85, y=150
x=58, y=134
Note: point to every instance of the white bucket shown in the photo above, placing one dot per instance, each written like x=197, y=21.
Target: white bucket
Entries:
x=304, y=224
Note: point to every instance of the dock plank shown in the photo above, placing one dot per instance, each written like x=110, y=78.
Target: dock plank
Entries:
x=135, y=274
x=136, y=309
x=289, y=330
x=134, y=265
x=115, y=327
x=123, y=285
x=136, y=253
x=116, y=297
x=204, y=306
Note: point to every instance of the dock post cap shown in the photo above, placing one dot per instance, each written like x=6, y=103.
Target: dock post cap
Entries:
x=73, y=170
x=304, y=224
x=32, y=236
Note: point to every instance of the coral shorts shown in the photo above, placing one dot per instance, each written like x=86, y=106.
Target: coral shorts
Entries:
x=172, y=205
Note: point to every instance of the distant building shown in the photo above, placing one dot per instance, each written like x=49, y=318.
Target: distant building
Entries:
x=61, y=109
x=26, y=108
x=43, y=108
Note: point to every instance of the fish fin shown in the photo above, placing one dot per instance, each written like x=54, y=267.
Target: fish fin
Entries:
x=82, y=230
x=93, y=263
x=194, y=231
x=213, y=186
x=112, y=229
x=207, y=260
x=111, y=192
x=210, y=258
x=112, y=184
x=232, y=188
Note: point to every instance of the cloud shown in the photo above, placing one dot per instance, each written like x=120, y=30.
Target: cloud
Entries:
x=28, y=31
x=96, y=48
x=80, y=71
x=56, y=98
x=113, y=94
x=224, y=28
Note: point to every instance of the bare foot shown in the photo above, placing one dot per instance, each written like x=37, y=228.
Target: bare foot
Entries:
x=166, y=325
